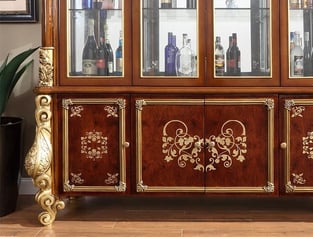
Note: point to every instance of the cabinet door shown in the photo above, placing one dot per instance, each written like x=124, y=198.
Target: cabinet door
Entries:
x=169, y=42
x=239, y=138
x=94, y=145
x=296, y=43
x=297, y=144
x=243, y=44
x=169, y=138
x=95, y=42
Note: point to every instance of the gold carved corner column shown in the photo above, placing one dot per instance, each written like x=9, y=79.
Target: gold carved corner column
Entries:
x=39, y=158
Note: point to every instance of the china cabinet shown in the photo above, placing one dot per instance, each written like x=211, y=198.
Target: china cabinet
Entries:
x=179, y=97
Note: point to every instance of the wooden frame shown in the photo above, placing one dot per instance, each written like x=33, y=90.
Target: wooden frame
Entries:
x=18, y=11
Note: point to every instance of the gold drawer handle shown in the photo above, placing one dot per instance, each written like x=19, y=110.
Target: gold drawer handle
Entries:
x=126, y=144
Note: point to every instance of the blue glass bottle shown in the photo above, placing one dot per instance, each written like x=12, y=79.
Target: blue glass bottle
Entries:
x=170, y=55
x=87, y=4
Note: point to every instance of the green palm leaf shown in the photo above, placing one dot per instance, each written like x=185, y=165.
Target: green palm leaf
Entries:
x=10, y=74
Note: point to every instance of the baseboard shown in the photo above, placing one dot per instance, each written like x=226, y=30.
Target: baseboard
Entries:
x=27, y=187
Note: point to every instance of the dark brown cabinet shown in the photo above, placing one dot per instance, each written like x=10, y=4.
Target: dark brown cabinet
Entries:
x=193, y=120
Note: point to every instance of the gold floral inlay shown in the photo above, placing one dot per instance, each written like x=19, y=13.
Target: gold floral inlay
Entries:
x=76, y=111
x=94, y=145
x=111, y=178
x=112, y=111
x=77, y=179
x=186, y=148
x=297, y=111
x=308, y=145
x=298, y=178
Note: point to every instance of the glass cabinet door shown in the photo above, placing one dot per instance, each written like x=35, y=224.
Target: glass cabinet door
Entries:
x=95, y=40
x=300, y=38
x=169, y=41
x=244, y=40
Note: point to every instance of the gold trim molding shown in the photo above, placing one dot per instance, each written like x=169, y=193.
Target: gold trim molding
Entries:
x=38, y=161
x=75, y=107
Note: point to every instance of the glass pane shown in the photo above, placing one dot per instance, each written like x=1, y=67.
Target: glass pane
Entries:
x=169, y=36
x=95, y=40
x=300, y=38
x=242, y=34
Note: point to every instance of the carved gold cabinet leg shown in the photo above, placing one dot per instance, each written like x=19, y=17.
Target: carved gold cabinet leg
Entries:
x=38, y=162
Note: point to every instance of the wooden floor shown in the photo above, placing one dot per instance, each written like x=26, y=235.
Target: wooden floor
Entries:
x=166, y=217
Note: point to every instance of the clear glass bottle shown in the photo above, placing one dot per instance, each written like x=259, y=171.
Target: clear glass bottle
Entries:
x=170, y=56
x=219, y=57
x=296, y=58
x=89, y=59
x=119, y=56
x=185, y=59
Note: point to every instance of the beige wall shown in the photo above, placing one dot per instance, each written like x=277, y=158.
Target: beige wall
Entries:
x=14, y=38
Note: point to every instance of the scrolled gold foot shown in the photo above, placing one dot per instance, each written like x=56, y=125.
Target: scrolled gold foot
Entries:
x=38, y=162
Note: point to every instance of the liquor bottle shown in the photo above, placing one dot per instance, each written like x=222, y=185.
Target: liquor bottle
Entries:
x=166, y=3
x=307, y=55
x=102, y=57
x=296, y=58
x=90, y=52
x=87, y=4
x=219, y=57
x=292, y=40
x=193, y=58
x=230, y=45
x=170, y=56
x=191, y=3
x=110, y=56
x=119, y=56
x=234, y=60
x=184, y=59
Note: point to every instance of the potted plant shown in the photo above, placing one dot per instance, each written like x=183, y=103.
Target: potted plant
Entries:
x=10, y=132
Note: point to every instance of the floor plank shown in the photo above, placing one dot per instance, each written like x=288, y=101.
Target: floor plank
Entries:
x=166, y=217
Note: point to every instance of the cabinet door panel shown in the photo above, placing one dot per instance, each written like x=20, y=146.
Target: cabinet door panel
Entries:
x=239, y=145
x=169, y=153
x=94, y=151
x=298, y=144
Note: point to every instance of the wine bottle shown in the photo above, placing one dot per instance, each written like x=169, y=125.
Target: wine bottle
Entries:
x=307, y=55
x=296, y=57
x=166, y=3
x=90, y=52
x=119, y=56
x=219, y=57
x=228, y=61
x=234, y=57
x=184, y=59
x=170, y=56
x=110, y=56
x=102, y=56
